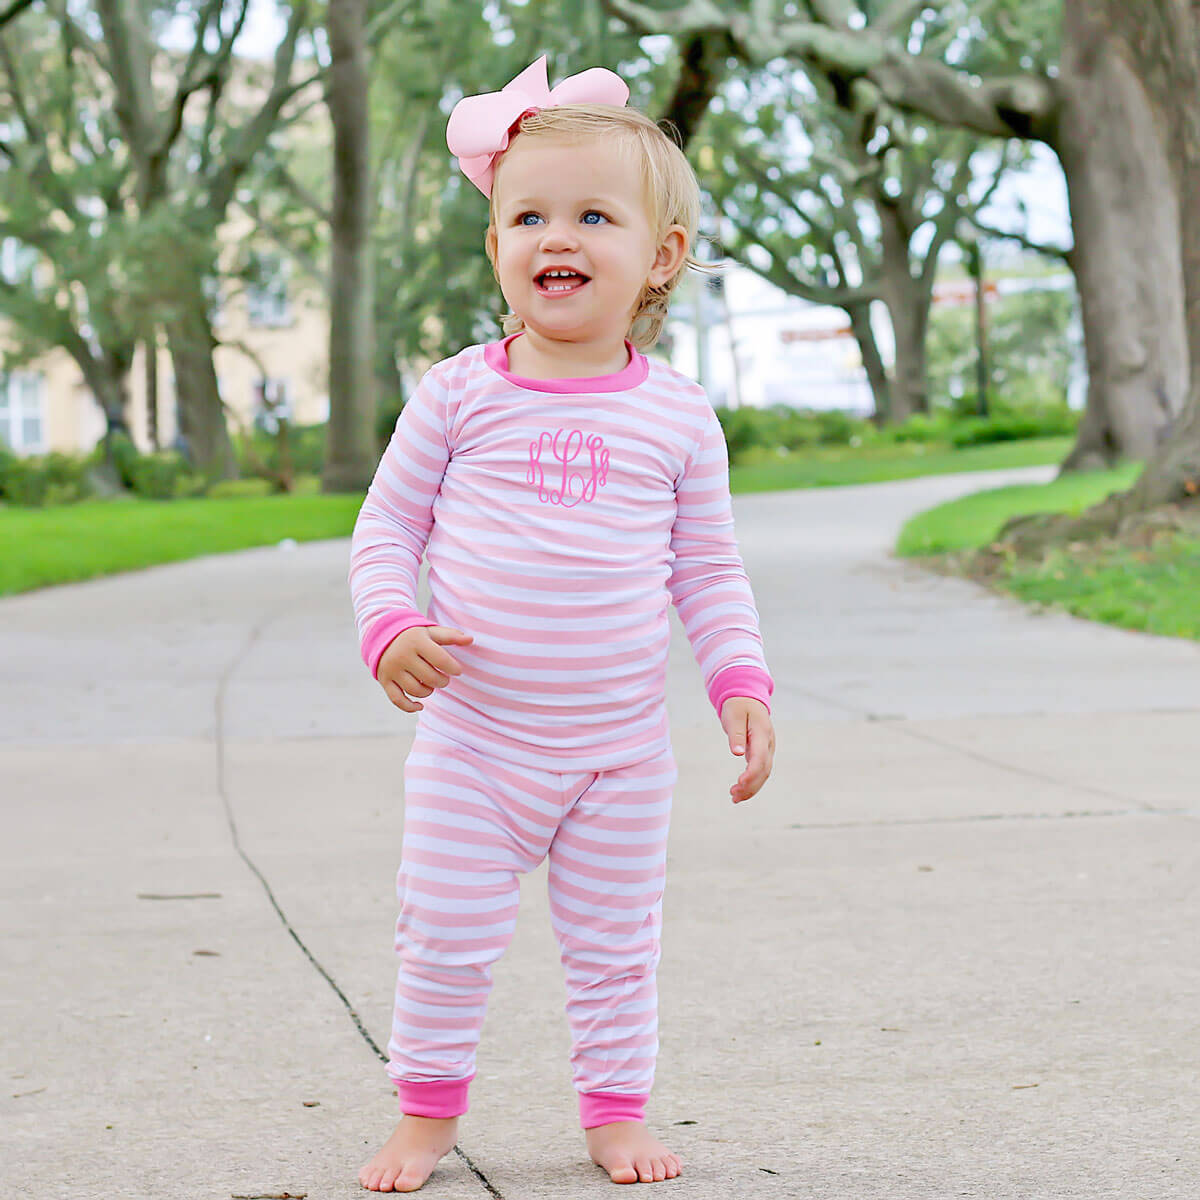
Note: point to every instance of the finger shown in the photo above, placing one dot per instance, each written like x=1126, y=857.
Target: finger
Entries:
x=738, y=741
x=444, y=633
x=442, y=661
x=423, y=673
x=412, y=685
x=399, y=699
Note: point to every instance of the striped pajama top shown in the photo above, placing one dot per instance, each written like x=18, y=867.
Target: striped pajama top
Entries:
x=559, y=518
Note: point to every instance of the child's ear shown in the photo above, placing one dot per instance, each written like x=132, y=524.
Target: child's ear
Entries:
x=672, y=250
x=489, y=244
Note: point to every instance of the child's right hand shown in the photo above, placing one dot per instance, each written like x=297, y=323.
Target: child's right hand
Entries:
x=415, y=662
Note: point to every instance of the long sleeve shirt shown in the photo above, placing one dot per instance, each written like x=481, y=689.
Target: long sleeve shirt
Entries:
x=560, y=518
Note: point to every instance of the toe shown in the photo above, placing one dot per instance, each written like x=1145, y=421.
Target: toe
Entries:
x=623, y=1172
x=410, y=1179
x=643, y=1169
x=386, y=1180
x=658, y=1169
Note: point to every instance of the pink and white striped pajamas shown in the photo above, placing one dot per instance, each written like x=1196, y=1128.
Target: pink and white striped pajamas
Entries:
x=559, y=518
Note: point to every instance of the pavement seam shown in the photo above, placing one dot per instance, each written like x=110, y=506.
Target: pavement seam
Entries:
x=906, y=730
x=223, y=792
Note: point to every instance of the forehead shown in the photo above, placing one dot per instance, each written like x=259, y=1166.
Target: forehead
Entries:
x=541, y=168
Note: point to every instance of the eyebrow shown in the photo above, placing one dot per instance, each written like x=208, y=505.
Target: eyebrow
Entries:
x=606, y=201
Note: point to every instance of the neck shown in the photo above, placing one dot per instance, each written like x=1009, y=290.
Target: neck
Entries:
x=536, y=357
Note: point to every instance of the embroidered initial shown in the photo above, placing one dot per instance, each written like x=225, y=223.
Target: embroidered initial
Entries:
x=575, y=485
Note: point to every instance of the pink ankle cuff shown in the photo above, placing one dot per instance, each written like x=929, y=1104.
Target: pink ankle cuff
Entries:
x=433, y=1097
x=600, y=1108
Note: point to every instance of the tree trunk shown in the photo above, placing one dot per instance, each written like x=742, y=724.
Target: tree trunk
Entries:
x=1161, y=40
x=199, y=411
x=907, y=301
x=350, y=450
x=910, y=322
x=1169, y=61
x=1125, y=218
x=1096, y=115
x=868, y=348
x=150, y=350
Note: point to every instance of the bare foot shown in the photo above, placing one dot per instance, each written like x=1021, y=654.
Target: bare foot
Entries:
x=630, y=1153
x=410, y=1154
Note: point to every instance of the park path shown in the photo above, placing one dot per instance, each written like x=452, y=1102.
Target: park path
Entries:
x=949, y=950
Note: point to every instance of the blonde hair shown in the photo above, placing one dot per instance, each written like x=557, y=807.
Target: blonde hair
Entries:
x=670, y=188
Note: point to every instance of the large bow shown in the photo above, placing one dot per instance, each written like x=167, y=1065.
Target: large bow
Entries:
x=477, y=132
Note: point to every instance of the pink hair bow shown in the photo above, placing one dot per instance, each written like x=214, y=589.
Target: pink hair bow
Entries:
x=478, y=129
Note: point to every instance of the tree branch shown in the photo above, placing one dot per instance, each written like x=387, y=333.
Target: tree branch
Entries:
x=246, y=141
x=14, y=10
x=1021, y=106
x=1065, y=253
x=382, y=22
x=783, y=278
x=300, y=192
x=191, y=80
x=41, y=168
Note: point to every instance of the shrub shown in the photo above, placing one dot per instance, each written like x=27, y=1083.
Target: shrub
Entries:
x=259, y=454
x=227, y=489
x=164, y=475
x=1014, y=426
x=42, y=480
x=836, y=428
x=742, y=428
x=922, y=427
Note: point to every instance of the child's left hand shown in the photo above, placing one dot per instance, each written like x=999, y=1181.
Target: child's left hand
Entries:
x=748, y=724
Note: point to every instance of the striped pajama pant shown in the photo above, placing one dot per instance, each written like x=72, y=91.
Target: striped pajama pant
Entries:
x=471, y=825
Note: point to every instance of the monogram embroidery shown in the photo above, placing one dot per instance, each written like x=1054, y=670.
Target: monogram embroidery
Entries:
x=576, y=484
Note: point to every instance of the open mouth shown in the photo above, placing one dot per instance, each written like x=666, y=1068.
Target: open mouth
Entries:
x=555, y=283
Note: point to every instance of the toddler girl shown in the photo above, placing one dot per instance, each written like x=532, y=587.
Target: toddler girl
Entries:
x=565, y=489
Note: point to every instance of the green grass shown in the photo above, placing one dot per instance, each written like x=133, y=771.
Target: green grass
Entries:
x=1150, y=586
x=44, y=546
x=83, y=541
x=1152, y=589
x=837, y=466
x=975, y=520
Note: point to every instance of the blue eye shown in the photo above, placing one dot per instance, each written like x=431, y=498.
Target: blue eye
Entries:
x=521, y=219
x=593, y=213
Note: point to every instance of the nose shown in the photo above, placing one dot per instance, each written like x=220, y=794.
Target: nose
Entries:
x=559, y=235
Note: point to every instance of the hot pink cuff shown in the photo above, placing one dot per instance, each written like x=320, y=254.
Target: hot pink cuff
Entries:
x=433, y=1097
x=600, y=1108
x=385, y=631
x=751, y=682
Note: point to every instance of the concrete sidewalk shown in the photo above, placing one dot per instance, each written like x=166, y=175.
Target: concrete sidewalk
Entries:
x=950, y=950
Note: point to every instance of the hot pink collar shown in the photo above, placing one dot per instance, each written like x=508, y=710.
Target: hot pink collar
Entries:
x=495, y=354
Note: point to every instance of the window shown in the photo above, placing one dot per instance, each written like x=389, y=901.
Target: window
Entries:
x=272, y=402
x=16, y=260
x=267, y=290
x=214, y=299
x=22, y=426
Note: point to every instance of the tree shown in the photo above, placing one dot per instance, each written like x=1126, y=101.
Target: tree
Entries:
x=191, y=160
x=350, y=452
x=1094, y=112
x=1160, y=42
x=85, y=258
x=861, y=217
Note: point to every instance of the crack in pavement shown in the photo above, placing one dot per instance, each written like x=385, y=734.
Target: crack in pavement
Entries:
x=1025, y=772
x=223, y=792
x=903, y=725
